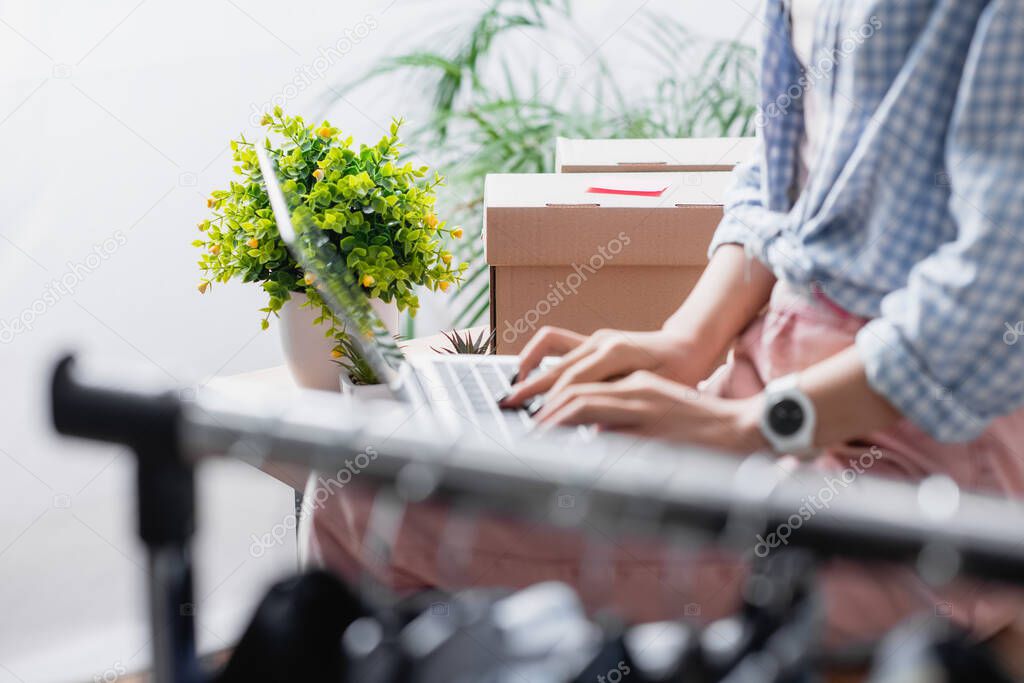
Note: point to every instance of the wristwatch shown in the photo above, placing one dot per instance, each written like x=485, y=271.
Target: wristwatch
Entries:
x=788, y=420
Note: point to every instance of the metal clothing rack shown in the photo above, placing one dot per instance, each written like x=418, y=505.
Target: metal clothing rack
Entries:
x=657, y=489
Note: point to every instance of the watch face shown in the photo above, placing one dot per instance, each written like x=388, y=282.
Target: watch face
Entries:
x=786, y=417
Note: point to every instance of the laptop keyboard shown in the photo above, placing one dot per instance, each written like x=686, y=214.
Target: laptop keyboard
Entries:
x=473, y=389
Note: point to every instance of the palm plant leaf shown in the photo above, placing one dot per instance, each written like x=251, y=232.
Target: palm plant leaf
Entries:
x=466, y=343
x=491, y=112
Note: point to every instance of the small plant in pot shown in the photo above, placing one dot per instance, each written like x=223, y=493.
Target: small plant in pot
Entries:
x=376, y=210
x=465, y=343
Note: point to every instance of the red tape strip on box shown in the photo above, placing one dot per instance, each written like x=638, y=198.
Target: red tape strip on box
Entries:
x=631, y=193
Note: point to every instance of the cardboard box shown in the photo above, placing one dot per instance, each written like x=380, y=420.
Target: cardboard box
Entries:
x=651, y=155
x=590, y=251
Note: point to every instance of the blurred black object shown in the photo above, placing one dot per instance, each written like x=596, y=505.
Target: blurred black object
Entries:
x=540, y=634
x=777, y=630
x=312, y=628
x=296, y=632
x=934, y=650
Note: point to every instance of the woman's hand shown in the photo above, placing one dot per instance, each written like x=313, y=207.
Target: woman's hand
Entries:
x=726, y=298
x=647, y=404
x=606, y=355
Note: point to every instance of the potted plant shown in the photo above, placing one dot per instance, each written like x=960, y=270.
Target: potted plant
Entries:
x=465, y=343
x=377, y=211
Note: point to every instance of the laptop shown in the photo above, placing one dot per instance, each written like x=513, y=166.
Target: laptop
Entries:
x=461, y=388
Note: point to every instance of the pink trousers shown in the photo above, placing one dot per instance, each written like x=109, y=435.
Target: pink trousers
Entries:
x=431, y=546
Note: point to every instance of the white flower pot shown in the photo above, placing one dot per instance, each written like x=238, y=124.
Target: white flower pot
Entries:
x=364, y=392
x=308, y=352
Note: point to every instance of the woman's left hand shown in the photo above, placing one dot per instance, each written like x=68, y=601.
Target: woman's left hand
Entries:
x=647, y=404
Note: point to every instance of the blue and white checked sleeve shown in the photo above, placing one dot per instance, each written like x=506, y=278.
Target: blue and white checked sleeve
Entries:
x=744, y=205
x=940, y=351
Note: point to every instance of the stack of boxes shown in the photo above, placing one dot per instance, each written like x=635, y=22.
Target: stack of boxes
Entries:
x=616, y=239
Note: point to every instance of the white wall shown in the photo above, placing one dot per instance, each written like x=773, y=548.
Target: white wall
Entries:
x=114, y=120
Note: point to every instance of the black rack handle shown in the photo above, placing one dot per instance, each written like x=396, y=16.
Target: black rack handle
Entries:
x=111, y=410
x=146, y=418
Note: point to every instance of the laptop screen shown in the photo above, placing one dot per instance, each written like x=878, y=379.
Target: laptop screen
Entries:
x=318, y=253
